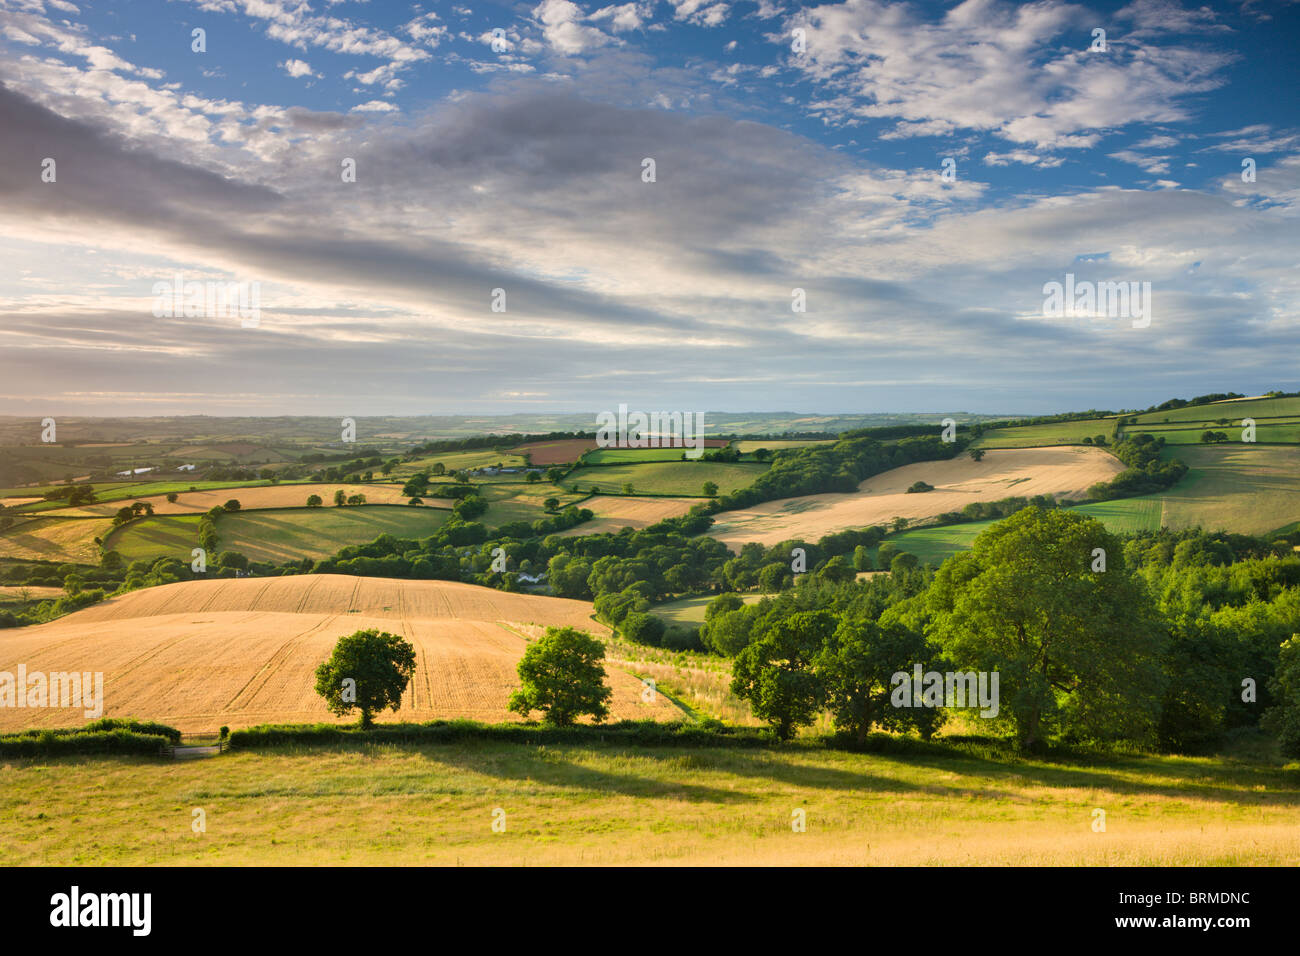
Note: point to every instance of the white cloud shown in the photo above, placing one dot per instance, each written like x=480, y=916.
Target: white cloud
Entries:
x=989, y=66
x=297, y=68
x=563, y=30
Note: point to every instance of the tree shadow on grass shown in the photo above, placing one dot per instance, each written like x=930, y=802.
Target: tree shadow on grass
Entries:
x=552, y=767
x=1234, y=783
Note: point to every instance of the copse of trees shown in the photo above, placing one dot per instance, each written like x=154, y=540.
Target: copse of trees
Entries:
x=1078, y=650
x=1151, y=650
x=1147, y=471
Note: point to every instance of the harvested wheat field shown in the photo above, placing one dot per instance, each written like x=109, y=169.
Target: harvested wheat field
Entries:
x=1065, y=471
x=260, y=496
x=26, y=592
x=201, y=654
x=613, y=513
x=54, y=539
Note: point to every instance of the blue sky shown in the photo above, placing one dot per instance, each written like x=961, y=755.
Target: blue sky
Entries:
x=520, y=169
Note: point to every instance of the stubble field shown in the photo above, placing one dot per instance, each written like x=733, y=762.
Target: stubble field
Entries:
x=236, y=652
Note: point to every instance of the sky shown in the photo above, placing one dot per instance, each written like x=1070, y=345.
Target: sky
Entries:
x=500, y=207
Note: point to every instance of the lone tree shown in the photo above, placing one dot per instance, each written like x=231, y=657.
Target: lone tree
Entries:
x=368, y=671
x=977, y=454
x=710, y=489
x=314, y=501
x=563, y=677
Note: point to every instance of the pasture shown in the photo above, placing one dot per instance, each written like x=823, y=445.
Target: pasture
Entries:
x=171, y=536
x=610, y=804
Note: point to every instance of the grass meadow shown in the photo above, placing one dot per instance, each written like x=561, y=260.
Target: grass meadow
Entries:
x=616, y=804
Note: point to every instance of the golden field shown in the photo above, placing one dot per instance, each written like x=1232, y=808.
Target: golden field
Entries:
x=201, y=654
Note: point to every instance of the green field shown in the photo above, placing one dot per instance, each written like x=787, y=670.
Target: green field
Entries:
x=1250, y=489
x=458, y=460
x=1282, y=432
x=1125, y=515
x=684, y=478
x=608, y=456
x=1256, y=408
x=594, y=803
x=1057, y=433
x=172, y=536
x=290, y=534
x=933, y=545
x=691, y=610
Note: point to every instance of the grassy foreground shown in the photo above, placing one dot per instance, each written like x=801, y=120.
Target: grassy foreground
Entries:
x=597, y=803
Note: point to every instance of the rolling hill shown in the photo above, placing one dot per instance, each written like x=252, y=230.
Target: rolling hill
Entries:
x=198, y=655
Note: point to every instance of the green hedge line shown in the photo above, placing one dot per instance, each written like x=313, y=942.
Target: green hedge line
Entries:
x=49, y=743
x=146, y=727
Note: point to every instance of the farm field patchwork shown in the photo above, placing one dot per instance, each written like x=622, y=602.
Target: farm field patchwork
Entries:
x=1234, y=410
x=201, y=654
x=1064, y=471
x=685, y=478
x=290, y=534
x=614, y=804
x=251, y=497
x=120, y=492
